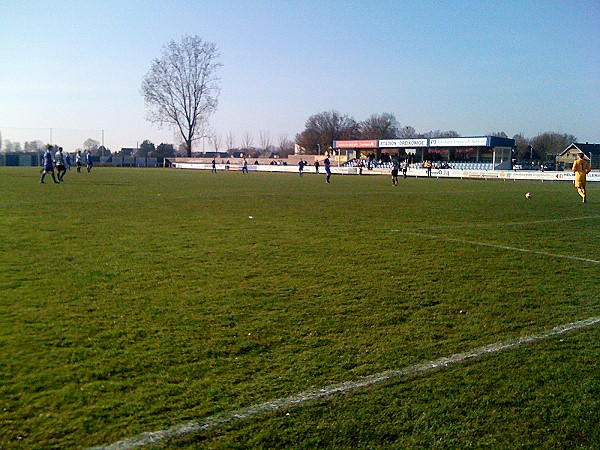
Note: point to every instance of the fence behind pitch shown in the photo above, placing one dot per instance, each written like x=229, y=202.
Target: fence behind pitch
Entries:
x=34, y=159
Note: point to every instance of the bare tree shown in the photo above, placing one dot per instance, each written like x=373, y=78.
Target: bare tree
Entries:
x=324, y=128
x=379, y=126
x=230, y=141
x=285, y=147
x=265, y=139
x=546, y=146
x=181, y=89
x=522, y=145
x=440, y=134
x=216, y=140
x=91, y=145
x=33, y=146
x=407, y=132
x=247, y=141
x=12, y=147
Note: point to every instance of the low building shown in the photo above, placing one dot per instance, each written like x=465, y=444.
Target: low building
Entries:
x=566, y=158
x=491, y=152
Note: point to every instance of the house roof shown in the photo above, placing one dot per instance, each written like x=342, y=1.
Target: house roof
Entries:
x=586, y=148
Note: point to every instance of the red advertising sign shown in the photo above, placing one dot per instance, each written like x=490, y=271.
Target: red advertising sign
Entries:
x=355, y=144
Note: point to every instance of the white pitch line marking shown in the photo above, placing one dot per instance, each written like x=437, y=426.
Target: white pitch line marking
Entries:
x=208, y=423
x=503, y=247
x=509, y=224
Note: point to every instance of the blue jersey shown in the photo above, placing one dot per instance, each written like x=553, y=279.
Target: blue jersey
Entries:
x=47, y=159
x=327, y=164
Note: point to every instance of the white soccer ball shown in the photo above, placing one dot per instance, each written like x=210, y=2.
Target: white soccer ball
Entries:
x=250, y=217
x=528, y=195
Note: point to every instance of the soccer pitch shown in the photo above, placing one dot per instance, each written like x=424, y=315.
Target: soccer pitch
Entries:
x=135, y=300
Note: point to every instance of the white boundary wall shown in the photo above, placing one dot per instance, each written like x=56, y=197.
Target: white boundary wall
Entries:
x=436, y=173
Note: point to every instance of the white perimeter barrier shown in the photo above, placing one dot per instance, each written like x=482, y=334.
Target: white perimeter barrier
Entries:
x=436, y=173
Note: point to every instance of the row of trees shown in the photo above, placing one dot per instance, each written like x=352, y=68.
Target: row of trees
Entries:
x=215, y=142
x=323, y=128
x=27, y=147
x=543, y=147
x=37, y=146
x=265, y=146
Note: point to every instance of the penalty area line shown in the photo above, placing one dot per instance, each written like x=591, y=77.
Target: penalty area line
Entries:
x=501, y=247
x=212, y=422
x=507, y=224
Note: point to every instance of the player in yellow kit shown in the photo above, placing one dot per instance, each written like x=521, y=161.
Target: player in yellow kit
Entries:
x=581, y=167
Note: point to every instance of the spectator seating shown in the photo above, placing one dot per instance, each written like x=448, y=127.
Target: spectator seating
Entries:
x=457, y=165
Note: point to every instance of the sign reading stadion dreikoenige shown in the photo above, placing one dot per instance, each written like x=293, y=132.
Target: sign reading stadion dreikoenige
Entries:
x=400, y=143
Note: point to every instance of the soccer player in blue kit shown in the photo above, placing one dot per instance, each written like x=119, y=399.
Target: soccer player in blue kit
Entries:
x=48, y=164
x=327, y=165
x=88, y=161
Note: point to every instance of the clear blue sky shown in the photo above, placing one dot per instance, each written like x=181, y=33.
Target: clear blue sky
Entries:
x=470, y=66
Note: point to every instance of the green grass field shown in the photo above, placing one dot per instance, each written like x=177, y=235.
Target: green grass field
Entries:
x=133, y=300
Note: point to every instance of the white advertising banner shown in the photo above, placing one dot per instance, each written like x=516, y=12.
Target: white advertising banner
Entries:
x=412, y=172
x=399, y=143
x=459, y=142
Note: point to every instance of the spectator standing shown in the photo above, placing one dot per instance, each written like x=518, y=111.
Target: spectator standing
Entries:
x=427, y=165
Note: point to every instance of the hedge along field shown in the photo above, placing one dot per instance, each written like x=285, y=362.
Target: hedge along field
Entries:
x=137, y=299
